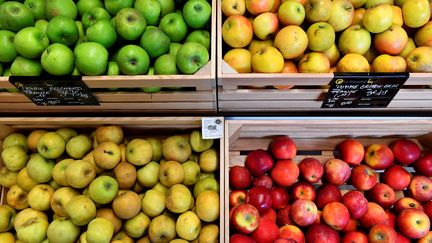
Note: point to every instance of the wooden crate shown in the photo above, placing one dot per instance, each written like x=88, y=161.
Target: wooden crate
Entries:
x=235, y=93
x=316, y=138
x=132, y=127
x=199, y=96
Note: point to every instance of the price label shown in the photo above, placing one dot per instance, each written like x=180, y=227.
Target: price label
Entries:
x=55, y=91
x=212, y=127
x=363, y=90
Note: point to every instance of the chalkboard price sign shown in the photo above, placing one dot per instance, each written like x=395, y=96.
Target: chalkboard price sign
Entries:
x=363, y=90
x=55, y=91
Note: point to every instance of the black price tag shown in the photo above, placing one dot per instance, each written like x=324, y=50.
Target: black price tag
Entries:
x=55, y=91
x=363, y=90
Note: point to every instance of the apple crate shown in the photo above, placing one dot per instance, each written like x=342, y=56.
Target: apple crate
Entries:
x=317, y=138
x=198, y=94
x=133, y=127
x=255, y=92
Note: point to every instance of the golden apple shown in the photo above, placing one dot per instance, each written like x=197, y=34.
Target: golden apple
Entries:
x=318, y=10
x=341, y=14
x=237, y=31
x=314, y=62
x=239, y=59
x=267, y=60
x=257, y=45
x=358, y=16
x=291, y=13
x=292, y=41
x=416, y=13
x=321, y=36
x=408, y=48
x=233, y=7
x=420, y=60
x=423, y=37
x=265, y=25
x=355, y=39
x=353, y=62
x=379, y=18
x=332, y=54
x=388, y=63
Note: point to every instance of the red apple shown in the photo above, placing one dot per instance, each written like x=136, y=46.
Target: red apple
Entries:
x=327, y=193
x=423, y=166
x=351, y=225
x=391, y=219
x=413, y=223
x=426, y=239
x=245, y=218
x=270, y=214
x=303, y=190
x=336, y=171
x=335, y=215
x=237, y=197
x=379, y=156
x=283, y=216
x=239, y=177
x=356, y=203
x=263, y=180
x=260, y=197
x=381, y=233
x=354, y=237
x=267, y=231
x=396, y=177
x=284, y=241
x=283, y=147
x=402, y=239
x=303, y=212
x=374, y=215
x=240, y=238
x=382, y=194
x=322, y=233
x=285, y=172
x=280, y=198
x=420, y=188
x=259, y=162
x=427, y=207
x=318, y=218
x=311, y=169
x=405, y=151
x=351, y=151
x=363, y=177
x=406, y=202
x=291, y=232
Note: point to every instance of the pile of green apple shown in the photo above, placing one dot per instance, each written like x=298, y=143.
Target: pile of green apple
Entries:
x=103, y=37
x=67, y=187
x=322, y=36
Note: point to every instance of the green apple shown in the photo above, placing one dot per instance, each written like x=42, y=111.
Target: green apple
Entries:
x=139, y=151
x=41, y=24
x=55, y=8
x=153, y=202
x=75, y=72
x=24, y=181
x=167, y=6
x=372, y=3
x=39, y=197
x=355, y=39
x=7, y=178
x=162, y=229
x=7, y=237
x=8, y=52
x=84, y=6
x=37, y=7
x=51, y=145
x=137, y=226
x=1, y=69
x=170, y=173
x=378, y=19
x=133, y=60
x=191, y=57
x=321, y=36
x=179, y=199
x=107, y=155
x=192, y=173
x=151, y=90
x=78, y=146
x=103, y=189
x=155, y=42
x=113, y=133
x=67, y=133
x=62, y=29
x=61, y=198
x=93, y=15
x=176, y=148
x=174, y=47
x=188, y=226
x=6, y=73
x=174, y=26
x=150, y=9
x=197, y=13
x=15, y=139
x=102, y=32
x=148, y=175
x=81, y=33
x=91, y=58
x=113, y=69
x=32, y=229
x=114, y=6
x=205, y=184
x=15, y=16
x=157, y=148
x=81, y=210
x=62, y=230
x=199, y=144
x=22, y=66
x=58, y=59
x=16, y=197
x=39, y=168
x=161, y=188
x=59, y=172
x=416, y=13
x=130, y=23
x=99, y=230
x=199, y=36
x=80, y=173
x=165, y=65
x=14, y=158
x=7, y=217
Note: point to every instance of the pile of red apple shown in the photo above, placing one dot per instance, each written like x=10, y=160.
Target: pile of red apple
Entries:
x=373, y=193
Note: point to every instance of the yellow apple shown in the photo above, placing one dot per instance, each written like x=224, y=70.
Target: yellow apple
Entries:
x=237, y=31
x=408, y=48
x=358, y=3
x=318, y=10
x=240, y=59
x=420, y=60
x=256, y=45
x=379, y=18
x=341, y=14
x=265, y=25
x=372, y=3
x=416, y=13
x=423, y=36
x=292, y=41
x=268, y=60
x=391, y=41
x=332, y=54
x=314, y=62
x=355, y=39
x=397, y=16
x=321, y=36
x=358, y=16
x=233, y=7
x=291, y=13
x=353, y=62
x=388, y=63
